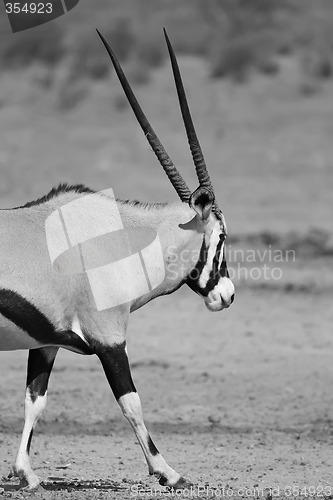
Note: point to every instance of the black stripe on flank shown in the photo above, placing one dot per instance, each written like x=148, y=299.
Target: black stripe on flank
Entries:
x=152, y=448
x=27, y=317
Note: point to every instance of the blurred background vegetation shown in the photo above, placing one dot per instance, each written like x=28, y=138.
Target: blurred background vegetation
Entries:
x=236, y=37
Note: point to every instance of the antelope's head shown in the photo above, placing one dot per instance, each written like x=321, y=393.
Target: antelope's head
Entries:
x=209, y=277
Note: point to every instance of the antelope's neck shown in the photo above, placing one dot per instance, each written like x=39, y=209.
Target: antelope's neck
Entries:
x=160, y=257
x=175, y=250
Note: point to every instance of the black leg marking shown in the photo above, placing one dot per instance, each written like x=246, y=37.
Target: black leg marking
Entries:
x=152, y=448
x=29, y=441
x=27, y=317
x=40, y=365
x=116, y=367
x=163, y=480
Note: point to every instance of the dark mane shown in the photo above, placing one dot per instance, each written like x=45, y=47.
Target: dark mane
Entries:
x=142, y=204
x=62, y=188
x=81, y=188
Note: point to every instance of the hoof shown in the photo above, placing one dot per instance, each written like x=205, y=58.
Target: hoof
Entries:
x=27, y=483
x=32, y=488
x=181, y=484
x=9, y=477
x=163, y=481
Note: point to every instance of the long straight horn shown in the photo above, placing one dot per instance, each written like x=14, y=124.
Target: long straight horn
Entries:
x=198, y=159
x=174, y=176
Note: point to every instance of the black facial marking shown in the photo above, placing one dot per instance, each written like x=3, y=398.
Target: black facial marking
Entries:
x=215, y=267
x=215, y=273
x=116, y=367
x=152, y=448
x=27, y=317
x=223, y=271
x=224, y=268
x=195, y=274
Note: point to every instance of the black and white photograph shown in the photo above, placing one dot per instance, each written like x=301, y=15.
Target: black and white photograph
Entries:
x=166, y=249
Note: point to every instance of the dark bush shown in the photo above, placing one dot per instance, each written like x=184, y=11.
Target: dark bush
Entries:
x=90, y=58
x=138, y=73
x=309, y=88
x=122, y=39
x=70, y=95
x=235, y=60
x=27, y=47
x=120, y=102
x=239, y=36
x=150, y=53
x=268, y=66
x=317, y=64
x=250, y=36
x=238, y=56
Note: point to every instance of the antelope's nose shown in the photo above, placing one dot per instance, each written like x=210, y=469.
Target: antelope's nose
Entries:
x=227, y=292
x=227, y=302
x=222, y=296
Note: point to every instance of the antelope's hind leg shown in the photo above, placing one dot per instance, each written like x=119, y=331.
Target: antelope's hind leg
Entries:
x=115, y=363
x=40, y=364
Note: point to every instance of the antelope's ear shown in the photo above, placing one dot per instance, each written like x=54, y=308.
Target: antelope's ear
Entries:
x=202, y=202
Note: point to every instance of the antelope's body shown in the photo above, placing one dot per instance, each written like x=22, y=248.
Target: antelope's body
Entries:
x=27, y=279
x=42, y=309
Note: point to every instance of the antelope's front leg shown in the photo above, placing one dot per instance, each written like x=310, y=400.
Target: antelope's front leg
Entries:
x=115, y=363
x=40, y=364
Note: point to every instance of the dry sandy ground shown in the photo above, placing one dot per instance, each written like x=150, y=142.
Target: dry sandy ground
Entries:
x=238, y=399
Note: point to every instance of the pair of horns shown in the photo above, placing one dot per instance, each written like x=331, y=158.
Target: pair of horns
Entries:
x=174, y=176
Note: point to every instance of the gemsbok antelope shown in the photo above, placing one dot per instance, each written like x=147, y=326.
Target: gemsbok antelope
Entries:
x=43, y=307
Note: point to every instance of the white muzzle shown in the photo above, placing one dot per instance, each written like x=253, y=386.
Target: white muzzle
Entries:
x=222, y=295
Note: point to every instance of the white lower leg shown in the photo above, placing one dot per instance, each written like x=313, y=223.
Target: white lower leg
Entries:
x=131, y=407
x=22, y=468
